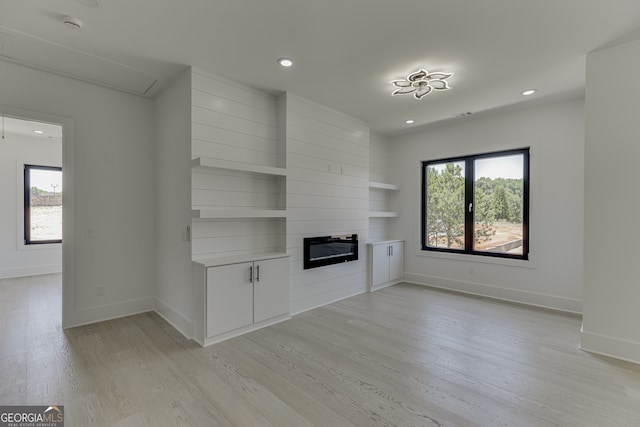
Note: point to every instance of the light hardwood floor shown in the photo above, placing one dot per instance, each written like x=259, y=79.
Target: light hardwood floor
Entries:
x=403, y=356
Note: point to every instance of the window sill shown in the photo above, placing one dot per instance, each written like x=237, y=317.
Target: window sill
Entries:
x=39, y=246
x=519, y=263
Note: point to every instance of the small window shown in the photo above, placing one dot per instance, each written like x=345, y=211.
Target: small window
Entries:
x=477, y=204
x=42, y=204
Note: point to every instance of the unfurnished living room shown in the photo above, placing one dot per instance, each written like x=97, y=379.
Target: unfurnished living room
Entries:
x=327, y=213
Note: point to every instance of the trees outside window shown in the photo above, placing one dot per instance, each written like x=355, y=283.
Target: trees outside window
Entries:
x=477, y=204
x=42, y=204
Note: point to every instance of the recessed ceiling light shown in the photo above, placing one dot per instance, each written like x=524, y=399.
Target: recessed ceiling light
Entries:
x=285, y=62
x=529, y=92
x=410, y=121
x=39, y=132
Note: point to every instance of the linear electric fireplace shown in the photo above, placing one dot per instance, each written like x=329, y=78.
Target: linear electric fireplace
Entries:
x=327, y=250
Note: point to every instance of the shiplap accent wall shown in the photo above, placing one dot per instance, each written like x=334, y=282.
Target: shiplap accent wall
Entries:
x=237, y=123
x=379, y=199
x=327, y=157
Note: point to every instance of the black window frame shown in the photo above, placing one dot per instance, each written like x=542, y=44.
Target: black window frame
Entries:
x=469, y=162
x=27, y=204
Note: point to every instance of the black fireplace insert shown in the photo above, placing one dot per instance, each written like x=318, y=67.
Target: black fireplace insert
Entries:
x=327, y=250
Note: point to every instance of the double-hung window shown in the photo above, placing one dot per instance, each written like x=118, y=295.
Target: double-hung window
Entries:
x=42, y=204
x=477, y=204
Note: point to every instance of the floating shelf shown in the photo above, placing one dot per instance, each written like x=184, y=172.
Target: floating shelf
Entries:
x=383, y=186
x=213, y=213
x=383, y=214
x=209, y=163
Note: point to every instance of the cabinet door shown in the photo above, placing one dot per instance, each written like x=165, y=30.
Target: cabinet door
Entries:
x=271, y=289
x=229, y=298
x=380, y=265
x=396, y=261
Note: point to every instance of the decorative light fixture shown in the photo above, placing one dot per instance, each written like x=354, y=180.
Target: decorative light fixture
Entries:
x=421, y=83
x=410, y=121
x=529, y=92
x=285, y=62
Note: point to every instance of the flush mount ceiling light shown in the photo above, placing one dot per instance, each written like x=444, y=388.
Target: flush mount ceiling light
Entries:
x=39, y=132
x=72, y=22
x=421, y=83
x=529, y=92
x=285, y=62
x=410, y=121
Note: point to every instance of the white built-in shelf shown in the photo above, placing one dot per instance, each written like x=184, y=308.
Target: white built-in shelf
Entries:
x=215, y=261
x=383, y=186
x=213, y=213
x=209, y=163
x=382, y=214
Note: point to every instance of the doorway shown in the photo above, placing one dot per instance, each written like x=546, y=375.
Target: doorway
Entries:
x=37, y=222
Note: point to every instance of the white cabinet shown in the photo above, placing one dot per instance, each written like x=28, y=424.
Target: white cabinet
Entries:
x=270, y=289
x=229, y=298
x=240, y=296
x=386, y=263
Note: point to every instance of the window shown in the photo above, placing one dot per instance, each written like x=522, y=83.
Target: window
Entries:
x=42, y=204
x=477, y=204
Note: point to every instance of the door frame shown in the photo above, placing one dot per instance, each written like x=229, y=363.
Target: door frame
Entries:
x=68, y=204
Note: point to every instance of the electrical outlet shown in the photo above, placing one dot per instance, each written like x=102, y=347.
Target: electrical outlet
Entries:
x=89, y=233
x=100, y=291
x=109, y=158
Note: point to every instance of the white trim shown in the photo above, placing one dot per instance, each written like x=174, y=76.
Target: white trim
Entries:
x=330, y=302
x=241, y=331
x=101, y=313
x=554, y=302
x=68, y=204
x=521, y=263
x=617, y=348
x=33, y=270
x=174, y=318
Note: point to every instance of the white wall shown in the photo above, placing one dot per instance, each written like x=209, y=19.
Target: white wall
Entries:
x=327, y=193
x=553, y=277
x=173, y=203
x=234, y=122
x=16, y=259
x=115, y=200
x=612, y=288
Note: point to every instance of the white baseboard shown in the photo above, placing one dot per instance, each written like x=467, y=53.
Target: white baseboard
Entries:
x=241, y=331
x=609, y=346
x=174, y=318
x=570, y=305
x=6, y=273
x=302, y=310
x=85, y=316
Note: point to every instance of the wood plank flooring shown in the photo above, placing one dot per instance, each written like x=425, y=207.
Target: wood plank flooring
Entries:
x=403, y=356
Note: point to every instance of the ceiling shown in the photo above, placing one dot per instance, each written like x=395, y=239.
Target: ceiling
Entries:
x=346, y=52
x=11, y=126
